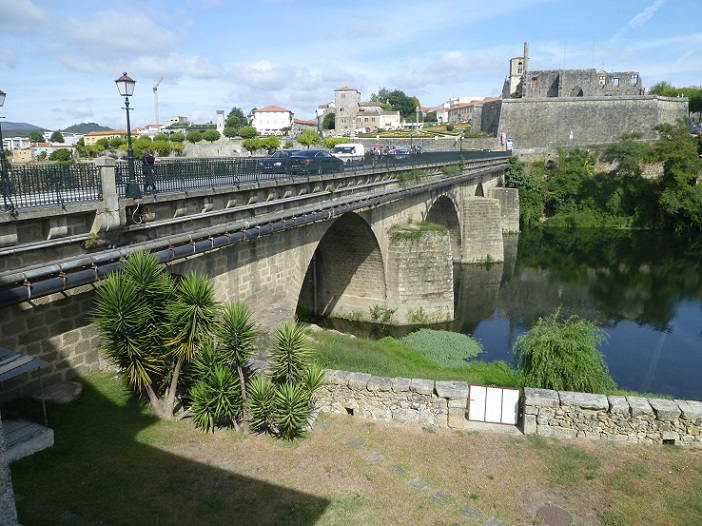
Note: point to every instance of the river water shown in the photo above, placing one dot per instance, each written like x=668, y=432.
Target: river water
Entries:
x=643, y=288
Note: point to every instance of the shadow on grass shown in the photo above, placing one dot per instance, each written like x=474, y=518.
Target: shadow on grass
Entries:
x=103, y=471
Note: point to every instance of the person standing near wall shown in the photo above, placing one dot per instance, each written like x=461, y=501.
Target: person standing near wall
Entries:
x=148, y=167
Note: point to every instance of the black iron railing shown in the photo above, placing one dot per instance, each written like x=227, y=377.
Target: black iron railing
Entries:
x=177, y=175
x=32, y=185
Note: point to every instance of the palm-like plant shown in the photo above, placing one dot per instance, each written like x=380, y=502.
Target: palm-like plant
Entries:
x=261, y=402
x=191, y=323
x=130, y=315
x=216, y=399
x=237, y=335
x=292, y=408
x=291, y=354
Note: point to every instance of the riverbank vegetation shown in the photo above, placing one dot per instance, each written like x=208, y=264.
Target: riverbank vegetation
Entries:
x=568, y=192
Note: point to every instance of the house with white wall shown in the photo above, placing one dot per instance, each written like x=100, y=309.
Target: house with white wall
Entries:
x=271, y=120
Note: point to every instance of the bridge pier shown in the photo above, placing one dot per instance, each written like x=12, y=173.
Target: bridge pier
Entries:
x=482, y=230
x=420, y=279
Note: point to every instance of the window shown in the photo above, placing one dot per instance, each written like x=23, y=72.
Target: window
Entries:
x=519, y=67
x=615, y=82
x=634, y=79
x=534, y=83
x=603, y=80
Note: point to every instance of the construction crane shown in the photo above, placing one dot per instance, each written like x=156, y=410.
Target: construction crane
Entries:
x=155, y=89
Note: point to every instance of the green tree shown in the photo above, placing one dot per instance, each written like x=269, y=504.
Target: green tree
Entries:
x=230, y=131
x=309, y=138
x=35, y=136
x=330, y=142
x=57, y=137
x=61, y=155
x=104, y=143
x=193, y=136
x=248, y=132
x=681, y=196
x=628, y=154
x=664, y=89
x=329, y=121
x=270, y=143
x=161, y=147
x=397, y=100
x=531, y=192
x=161, y=137
x=211, y=135
x=177, y=137
x=116, y=142
x=518, y=91
x=238, y=114
x=252, y=144
x=561, y=354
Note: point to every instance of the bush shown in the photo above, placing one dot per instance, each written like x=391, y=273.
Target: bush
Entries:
x=561, y=354
x=450, y=349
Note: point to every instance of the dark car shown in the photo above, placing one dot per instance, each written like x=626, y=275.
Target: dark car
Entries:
x=314, y=162
x=276, y=163
x=400, y=154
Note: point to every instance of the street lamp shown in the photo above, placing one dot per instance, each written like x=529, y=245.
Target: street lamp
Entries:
x=4, y=179
x=125, y=85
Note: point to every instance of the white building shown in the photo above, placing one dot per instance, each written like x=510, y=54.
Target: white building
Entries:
x=271, y=120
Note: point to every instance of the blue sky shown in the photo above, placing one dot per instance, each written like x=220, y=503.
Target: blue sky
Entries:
x=59, y=60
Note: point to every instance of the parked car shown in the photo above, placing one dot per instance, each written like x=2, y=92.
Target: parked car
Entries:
x=400, y=154
x=276, y=163
x=314, y=162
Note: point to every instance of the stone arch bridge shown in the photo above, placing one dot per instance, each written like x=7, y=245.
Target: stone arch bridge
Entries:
x=348, y=245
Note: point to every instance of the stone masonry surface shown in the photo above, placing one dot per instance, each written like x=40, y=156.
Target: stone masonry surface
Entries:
x=548, y=413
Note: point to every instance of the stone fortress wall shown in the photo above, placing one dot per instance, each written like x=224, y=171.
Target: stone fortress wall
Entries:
x=636, y=420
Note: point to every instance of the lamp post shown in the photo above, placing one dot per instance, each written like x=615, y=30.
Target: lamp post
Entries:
x=4, y=179
x=125, y=85
x=462, y=140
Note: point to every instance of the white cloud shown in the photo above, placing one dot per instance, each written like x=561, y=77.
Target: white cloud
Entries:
x=21, y=16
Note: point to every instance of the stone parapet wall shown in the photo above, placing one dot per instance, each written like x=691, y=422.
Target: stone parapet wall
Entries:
x=405, y=400
x=635, y=420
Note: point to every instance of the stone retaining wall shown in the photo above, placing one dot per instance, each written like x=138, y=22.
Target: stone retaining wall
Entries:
x=413, y=401
x=630, y=419
x=547, y=413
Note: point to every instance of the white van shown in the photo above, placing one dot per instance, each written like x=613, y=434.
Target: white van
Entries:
x=349, y=152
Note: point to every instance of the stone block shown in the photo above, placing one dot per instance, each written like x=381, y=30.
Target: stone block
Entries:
x=665, y=409
x=691, y=410
x=556, y=432
x=456, y=418
x=458, y=403
x=423, y=387
x=452, y=390
x=401, y=385
x=639, y=406
x=597, y=402
x=529, y=427
x=618, y=405
x=541, y=397
x=409, y=416
x=338, y=377
x=359, y=381
x=379, y=383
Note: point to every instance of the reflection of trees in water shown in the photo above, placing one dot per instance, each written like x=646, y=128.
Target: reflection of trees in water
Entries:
x=605, y=275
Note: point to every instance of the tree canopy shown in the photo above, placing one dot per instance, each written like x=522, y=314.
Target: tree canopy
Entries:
x=397, y=100
x=309, y=138
x=57, y=136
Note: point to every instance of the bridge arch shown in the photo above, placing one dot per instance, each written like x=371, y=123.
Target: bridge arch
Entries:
x=444, y=211
x=345, y=276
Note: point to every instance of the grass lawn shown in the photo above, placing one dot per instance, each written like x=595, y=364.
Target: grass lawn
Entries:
x=115, y=464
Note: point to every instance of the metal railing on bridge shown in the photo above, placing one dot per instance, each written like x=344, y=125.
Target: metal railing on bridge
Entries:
x=35, y=185
x=177, y=175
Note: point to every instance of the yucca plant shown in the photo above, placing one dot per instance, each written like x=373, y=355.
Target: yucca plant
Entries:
x=291, y=354
x=261, y=403
x=237, y=335
x=216, y=399
x=292, y=408
x=130, y=317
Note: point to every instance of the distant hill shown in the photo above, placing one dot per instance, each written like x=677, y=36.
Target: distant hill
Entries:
x=22, y=129
x=19, y=129
x=85, y=127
